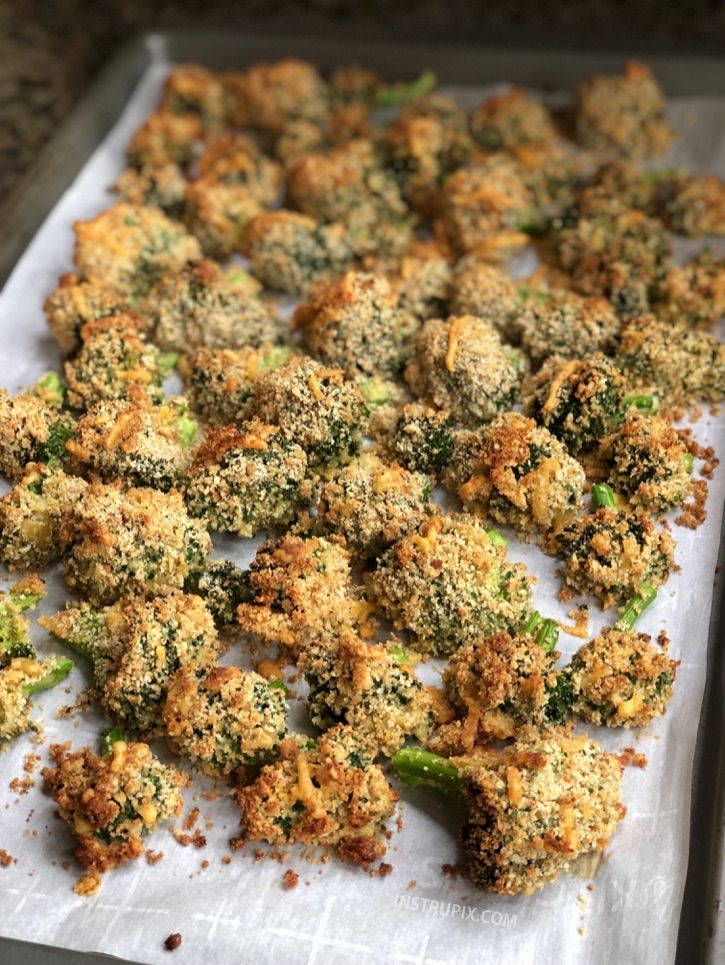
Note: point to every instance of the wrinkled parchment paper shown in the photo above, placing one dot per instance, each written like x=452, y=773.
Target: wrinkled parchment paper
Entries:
x=239, y=912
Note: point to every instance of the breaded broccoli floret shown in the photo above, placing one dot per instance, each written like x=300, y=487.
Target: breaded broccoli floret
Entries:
x=300, y=588
x=290, y=251
x=498, y=686
x=130, y=246
x=370, y=687
x=619, y=679
x=160, y=186
x=317, y=407
x=31, y=431
x=423, y=282
x=509, y=119
x=623, y=115
x=372, y=503
x=111, y=802
x=123, y=541
x=536, y=807
x=224, y=718
x=135, y=647
x=610, y=553
x=421, y=438
x=348, y=185
x=450, y=583
x=32, y=514
x=217, y=213
x=694, y=293
x=114, y=360
x=648, y=462
x=219, y=382
x=164, y=138
x=485, y=208
x=247, y=478
x=488, y=293
x=330, y=794
x=613, y=251
x=694, y=205
x=20, y=678
x=136, y=441
x=269, y=97
x=578, y=400
x=236, y=160
x=354, y=323
x=191, y=89
x=522, y=476
x=202, y=306
x=568, y=326
x=223, y=586
x=461, y=366
x=75, y=302
x=681, y=365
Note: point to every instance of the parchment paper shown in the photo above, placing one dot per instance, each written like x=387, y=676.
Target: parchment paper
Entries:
x=239, y=912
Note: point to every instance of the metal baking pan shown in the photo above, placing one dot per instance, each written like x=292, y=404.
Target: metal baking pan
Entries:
x=701, y=932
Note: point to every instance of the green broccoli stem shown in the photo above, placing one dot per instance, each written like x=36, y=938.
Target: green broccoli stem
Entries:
x=497, y=538
x=421, y=768
x=646, y=404
x=689, y=461
x=399, y=654
x=533, y=621
x=544, y=630
x=187, y=428
x=60, y=671
x=111, y=737
x=534, y=223
x=634, y=608
x=392, y=95
x=603, y=496
x=50, y=389
x=525, y=292
x=167, y=362
x=81, y=647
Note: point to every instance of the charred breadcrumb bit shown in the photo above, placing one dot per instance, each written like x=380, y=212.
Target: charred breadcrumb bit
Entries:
x=577, y=400
x=694, y=205
x=620, y=680
x=202, y=306
x=128, y=247
x=354, y=323
x=191, y=89
x=623, y=115
x=693, y=294
x=164, y=138
x=349, y=185
x=247, y=478
x=136, y=646
x=172, y=942
x=613, y=251
x=317, y=407
x=300, y=588
x=421, y=438
x=136, y=441
x=75, y=302
x=506, y=120
x=610, y=553
x=498, y=685
x=330, y=794
x=31, y=431
x=568, y=326
x=449, y=584
x=542, y=803
x=114, y=359
x=488, y=293
x=421, y=152
x=162, y=186
x=372, y=503
x=290, y=251
x=123, y=541
x=224, y=718
x=290, y=879
x=110, y=803
x=369, y=687
x=681, y=365
x=32, y=515
x=461, y=365
x=484, y=207
x=522, y=476
x=268, y=97
x=220, y=382
x=647, y=462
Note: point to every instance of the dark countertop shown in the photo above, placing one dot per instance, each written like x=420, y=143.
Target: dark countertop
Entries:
x=51, y=49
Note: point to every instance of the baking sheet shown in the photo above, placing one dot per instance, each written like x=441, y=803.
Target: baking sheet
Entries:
x=239, y=911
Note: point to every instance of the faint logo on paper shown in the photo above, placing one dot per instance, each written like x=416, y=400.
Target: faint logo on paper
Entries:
x=437, y=908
